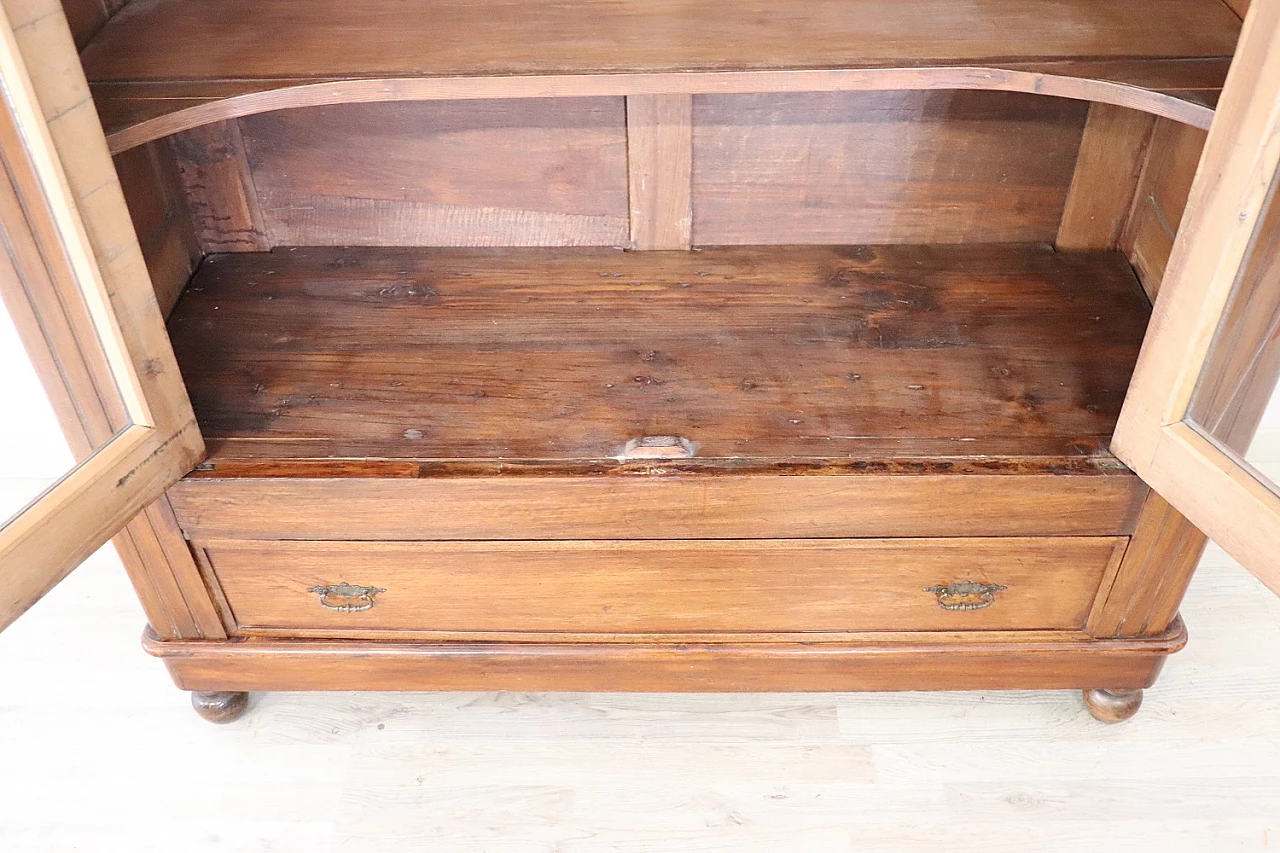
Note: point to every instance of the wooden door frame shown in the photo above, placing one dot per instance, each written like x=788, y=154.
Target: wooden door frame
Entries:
x=75, y=279
x=1238, y=170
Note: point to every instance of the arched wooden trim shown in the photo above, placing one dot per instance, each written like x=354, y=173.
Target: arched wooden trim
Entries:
x=132, y=121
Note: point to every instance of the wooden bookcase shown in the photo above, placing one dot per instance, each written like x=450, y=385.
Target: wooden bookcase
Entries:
x=638, y=345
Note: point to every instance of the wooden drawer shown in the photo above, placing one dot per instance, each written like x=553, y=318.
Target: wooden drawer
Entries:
x=661, y=587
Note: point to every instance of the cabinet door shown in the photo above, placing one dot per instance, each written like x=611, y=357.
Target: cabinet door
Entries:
x=78, y=299
x=1209, y=365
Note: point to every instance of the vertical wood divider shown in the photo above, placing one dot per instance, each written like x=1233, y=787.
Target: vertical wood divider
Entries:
x=214, y=169
x=660, y=170
x=1112, y=153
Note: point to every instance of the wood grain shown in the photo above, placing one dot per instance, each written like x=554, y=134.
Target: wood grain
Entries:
x=1112, y=154
x=478, y=173
x=163, y=109
x=645, y=587
x=775, y=353
x=660, y=170
x=166, y=578
x=1161, y=197
x=158, y=207
x=220, y=191
x=659, y=507
x=871, y=664
x=164, y=40
x=882, y=167
x=1153, y=575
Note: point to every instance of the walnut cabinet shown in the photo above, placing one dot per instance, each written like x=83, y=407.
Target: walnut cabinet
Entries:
x=647, y=345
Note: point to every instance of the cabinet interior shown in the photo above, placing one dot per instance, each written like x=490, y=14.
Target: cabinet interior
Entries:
x=944, y=278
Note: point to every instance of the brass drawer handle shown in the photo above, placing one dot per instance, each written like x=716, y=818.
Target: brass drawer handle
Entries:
x=966, y=595
x=345, y=598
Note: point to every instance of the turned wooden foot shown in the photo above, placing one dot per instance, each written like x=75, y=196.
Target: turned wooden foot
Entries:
x=1113, y=706
x=220, y=707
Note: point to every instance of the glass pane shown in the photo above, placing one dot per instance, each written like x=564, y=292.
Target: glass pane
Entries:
x=1235, y=402
x=61, y=401
x=34, y=454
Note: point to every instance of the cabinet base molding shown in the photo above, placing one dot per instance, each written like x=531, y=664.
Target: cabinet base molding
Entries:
x=932, y=662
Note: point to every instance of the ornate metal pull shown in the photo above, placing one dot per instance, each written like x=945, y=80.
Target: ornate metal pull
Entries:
x=966, y=595
x=345, y=598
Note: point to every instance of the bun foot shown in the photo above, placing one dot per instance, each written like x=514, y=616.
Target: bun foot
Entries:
x=1112, y=706
x=220, y=707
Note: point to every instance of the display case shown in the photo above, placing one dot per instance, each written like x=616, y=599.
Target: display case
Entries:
x=647, y=345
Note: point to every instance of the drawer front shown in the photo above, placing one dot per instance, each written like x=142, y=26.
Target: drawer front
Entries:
x=662, y=587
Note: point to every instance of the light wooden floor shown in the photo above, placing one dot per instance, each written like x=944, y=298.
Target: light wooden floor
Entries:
x=99, y=752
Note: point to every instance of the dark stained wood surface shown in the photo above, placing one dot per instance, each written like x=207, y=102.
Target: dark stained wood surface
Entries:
x=1110, y=160
x=882, y=167
x=863, y=167
x=219, y=188
x=159, y=64
x=1113, y=706
x=531, y=172
x=216, y=40
x=765, y=353
x=157, y=205
x=1240, y=7
x=86, y=17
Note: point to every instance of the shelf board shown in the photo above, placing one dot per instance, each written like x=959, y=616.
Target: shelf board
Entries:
x=158, y=57
x=809, y=359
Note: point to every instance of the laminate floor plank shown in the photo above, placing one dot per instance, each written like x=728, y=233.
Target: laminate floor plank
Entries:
x=102, y=753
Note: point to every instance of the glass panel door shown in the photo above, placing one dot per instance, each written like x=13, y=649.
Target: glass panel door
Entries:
x=1209, y=365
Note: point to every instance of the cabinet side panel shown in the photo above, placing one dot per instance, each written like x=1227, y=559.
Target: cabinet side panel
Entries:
x=1172, y=158
x=148, y=177
x=164, y=574
x=882, y=167
x=534, y=172
x=1153, y=575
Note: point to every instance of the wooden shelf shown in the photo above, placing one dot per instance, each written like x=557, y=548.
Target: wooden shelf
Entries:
x=157, y=58
x=805, y=358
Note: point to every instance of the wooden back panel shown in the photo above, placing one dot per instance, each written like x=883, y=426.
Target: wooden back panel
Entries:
x=882, y=167
x=857, y=167
x=468, y=173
